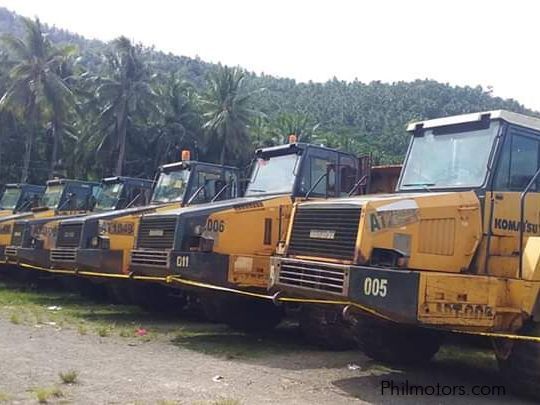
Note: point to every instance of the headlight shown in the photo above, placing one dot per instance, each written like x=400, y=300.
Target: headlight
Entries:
x=94, y=242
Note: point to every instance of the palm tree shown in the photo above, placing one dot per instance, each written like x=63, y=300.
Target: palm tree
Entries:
x=37, y=88
x=124, y=94
x=227, y=111
x=180, y=122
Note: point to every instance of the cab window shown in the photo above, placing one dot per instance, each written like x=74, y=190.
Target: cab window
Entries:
x=519, y=162
x=212, y=183
x=316, y=168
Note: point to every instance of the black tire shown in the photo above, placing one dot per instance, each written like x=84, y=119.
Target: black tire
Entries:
x=393, y=343
x=84, y=287
x=156, y=298
x=520, y=369
x=244, y=314
x=119, y=293
x=211, y=309
x=325, y=328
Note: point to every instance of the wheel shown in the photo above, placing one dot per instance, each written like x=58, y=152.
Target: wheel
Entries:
x=520, y=363
x=84, y=287
x=156, y=298
x=393, y=343
x=325, y=328
x=244, y=314
x=119, y=293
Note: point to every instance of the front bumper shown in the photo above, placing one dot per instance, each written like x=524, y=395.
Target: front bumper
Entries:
x=31, y=256
x=204, y=267
x=100, y=261
x=391, y=293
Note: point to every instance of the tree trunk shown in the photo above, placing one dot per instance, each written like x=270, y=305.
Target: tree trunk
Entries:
x=54, y=154
x=222, y=158
x=122, y=132
x=29, y=145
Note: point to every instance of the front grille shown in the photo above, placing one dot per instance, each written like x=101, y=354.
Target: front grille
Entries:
x=63, y=255
x=325, y=232
x=150, y=258
x=156, y=233
x=17, y=236
x=319, y=277
x=69, y=235
x=10, y=251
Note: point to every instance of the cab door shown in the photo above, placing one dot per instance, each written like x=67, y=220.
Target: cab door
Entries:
x=519, y=161
x=319, y=174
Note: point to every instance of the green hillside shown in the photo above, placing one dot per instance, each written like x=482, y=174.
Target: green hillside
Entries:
x=86, y=108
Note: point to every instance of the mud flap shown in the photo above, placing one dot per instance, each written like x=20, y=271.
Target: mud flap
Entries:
x=393, y=293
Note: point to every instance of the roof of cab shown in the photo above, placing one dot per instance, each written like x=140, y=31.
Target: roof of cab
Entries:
x=508, y=116
x=187, y=163
x=284, y=149
x=54, y=182
x=124, y=179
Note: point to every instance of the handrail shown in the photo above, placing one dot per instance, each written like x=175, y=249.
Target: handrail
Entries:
x=226, y=186
x=322, y=176
x=522, y=219
x=358, y=184
x=195, y=194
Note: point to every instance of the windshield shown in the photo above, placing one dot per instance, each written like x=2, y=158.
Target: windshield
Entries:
x=108, y=196
x=10, y=198
x=273, y=176
x=171, y=186
x=457, y=159
x=52, y=196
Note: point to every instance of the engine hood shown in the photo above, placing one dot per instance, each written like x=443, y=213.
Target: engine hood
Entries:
x=212, y=207
x=112, y=214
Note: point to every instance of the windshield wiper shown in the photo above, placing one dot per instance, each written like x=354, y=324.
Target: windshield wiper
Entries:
x=419, y=184
x=257, y=190
x=425, y=186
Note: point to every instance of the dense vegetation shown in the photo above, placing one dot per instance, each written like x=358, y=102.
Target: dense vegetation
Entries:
x=87, y=109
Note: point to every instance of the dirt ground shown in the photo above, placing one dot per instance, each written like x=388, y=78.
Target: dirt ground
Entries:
x=189, y=362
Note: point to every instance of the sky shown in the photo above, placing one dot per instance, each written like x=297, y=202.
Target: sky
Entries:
x=475, y=42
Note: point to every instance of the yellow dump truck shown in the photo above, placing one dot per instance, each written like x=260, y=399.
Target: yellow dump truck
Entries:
x=31, y=239
x=457, y=247
x=61, y=197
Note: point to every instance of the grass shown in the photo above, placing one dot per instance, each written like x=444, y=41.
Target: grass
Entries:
x=44, y=394
x=4, y=397
x=69, y=377
x=226, y=401
x=15, y=319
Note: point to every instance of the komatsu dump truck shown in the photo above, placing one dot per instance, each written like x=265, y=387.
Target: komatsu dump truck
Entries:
x=61, y=197
x=457, y=247
x=31, y=239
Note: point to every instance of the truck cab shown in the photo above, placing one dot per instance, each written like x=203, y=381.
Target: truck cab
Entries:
x=61, y=197
x=32, y=238
x=99, y=244
x=19, y=198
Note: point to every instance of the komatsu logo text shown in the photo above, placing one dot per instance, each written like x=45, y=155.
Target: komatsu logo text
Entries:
x=322, y=234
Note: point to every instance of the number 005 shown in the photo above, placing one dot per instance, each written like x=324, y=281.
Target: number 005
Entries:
x=377, y=287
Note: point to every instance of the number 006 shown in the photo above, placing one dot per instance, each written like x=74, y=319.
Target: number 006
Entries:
x=377, y=287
